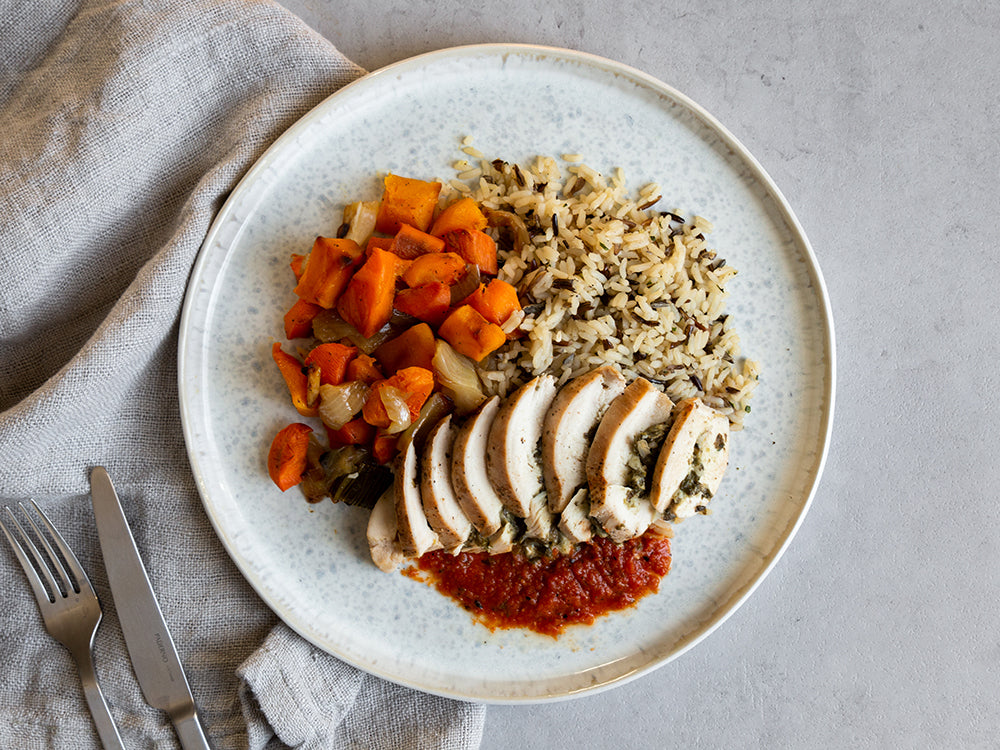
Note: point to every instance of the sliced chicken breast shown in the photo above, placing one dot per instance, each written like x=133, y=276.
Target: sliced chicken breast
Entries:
x=574, y=521
x=570, y=425
x=444, y=514
x=617, y=493
x=513, y=460
x=415, y=534
x=693, y=459
x=469, y=476
x=503, y=540
x=383, y=541
x=691, y=418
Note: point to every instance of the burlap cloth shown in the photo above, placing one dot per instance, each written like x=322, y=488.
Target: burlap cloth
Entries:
x=123, y=126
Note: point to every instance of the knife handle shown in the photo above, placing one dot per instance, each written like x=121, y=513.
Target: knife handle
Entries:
x=190, y=732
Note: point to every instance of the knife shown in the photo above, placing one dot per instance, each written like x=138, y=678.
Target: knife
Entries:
x=150, y=647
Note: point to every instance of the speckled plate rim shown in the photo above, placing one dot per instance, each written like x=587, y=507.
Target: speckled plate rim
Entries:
x=220, y=237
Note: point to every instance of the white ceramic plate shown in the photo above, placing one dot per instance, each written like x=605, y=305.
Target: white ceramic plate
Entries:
x=310, y=563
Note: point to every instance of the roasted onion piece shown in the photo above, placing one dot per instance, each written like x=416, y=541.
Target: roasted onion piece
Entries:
x=394, y=401
x=339, y=404
x=511, y=222
x=457, y=376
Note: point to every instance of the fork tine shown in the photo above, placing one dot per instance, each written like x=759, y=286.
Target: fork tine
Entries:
x=79, y=580
x=37, y=586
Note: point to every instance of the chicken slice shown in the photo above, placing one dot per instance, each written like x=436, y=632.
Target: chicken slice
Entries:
x=570, y=424
x=415, y=535
x=441, y=507
x=383, y=541
x=617, y=491
x=469, y=476
x=514, y=458
x=503, y=540
x=574, y=521
x=693, y=459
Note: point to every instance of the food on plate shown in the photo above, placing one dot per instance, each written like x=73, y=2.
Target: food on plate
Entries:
x=618, y=460
x=570, y=425
x=536, y=366
x=513, y=455
x=469, y=473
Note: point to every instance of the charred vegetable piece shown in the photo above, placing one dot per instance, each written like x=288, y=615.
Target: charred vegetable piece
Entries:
x=444, y=268
x=471, y=334
x=355, y=432
x=466, y=285
x=406, y=201
x=286, y=460
x=299, y=319
x=410, y=243
x=427, y=302
x=332, y=360
x=295, y=378
x=414, y=347
x=353, y=477
x=364, y=369
x=384, y=447
x=367, y=302
x=383, y=243
x=513, y=224
x=328, y=270
x=475, y=247
x=413, y=383
x=457, y=376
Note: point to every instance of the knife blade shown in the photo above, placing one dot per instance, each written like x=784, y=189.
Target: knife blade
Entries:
x=150, y=647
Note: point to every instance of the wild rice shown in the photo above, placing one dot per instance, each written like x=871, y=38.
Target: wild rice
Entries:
x=607, y=279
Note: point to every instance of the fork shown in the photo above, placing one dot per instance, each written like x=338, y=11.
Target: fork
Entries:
x=69, y=607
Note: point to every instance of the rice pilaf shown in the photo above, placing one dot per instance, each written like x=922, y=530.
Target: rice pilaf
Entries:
x=608, y=278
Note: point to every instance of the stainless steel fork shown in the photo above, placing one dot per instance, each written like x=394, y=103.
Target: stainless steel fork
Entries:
x=68, y=604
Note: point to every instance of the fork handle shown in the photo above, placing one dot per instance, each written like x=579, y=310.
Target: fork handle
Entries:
x=106, y=728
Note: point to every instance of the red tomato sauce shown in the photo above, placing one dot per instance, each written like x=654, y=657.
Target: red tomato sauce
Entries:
x=548, y=594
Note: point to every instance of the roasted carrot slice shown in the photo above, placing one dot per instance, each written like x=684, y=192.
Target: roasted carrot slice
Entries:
x=444, y=268
x=406, y=201
x=299, y=318
x=462, y=214
x=367, y=302
x=475, y=247
x=416, y=383
x=410, y=243
x=328, y=270
x=286, y=460
x=495, y=301
x=355, y=432
x=298, y=265
x=427, y=302
x=471, y=334
x=295, y=378
x=383, y=242
x=332, y=360
x=384, y=447
x=363, y=368
x=414, y=347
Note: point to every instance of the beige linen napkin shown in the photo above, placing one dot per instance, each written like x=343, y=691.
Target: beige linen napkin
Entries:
x=124, y=126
